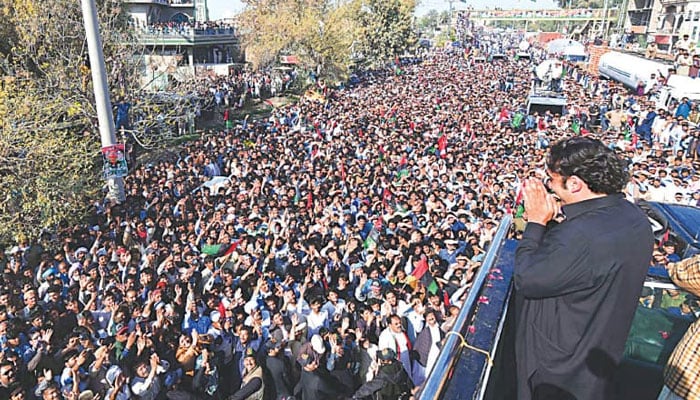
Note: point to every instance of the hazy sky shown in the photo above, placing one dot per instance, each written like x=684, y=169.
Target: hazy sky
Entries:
x=226, y=8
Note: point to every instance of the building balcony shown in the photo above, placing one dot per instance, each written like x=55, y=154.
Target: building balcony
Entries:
x=188, y=37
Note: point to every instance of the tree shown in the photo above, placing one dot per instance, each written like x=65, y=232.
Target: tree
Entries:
x=386, y=29
x=49, y=141
x=319, y=32
x=429, y=21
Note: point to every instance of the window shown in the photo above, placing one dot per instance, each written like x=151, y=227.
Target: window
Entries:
x=663, y=314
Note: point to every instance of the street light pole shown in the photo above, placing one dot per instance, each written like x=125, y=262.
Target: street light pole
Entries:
x=99, y=82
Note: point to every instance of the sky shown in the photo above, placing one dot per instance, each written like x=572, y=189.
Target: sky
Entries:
x=219, y=9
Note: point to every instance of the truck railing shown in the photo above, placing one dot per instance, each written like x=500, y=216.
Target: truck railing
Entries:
x=435, y=384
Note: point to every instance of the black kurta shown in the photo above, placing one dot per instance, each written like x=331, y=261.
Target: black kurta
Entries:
x=577, y=286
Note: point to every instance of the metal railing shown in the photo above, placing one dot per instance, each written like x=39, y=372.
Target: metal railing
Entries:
x=435, y=384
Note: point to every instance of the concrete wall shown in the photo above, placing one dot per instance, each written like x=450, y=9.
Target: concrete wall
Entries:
x=595, y=52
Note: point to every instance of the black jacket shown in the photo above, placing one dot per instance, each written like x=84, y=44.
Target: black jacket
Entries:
x=577, y=288
x=312, y=386
x=279, y=377
x=391, y=383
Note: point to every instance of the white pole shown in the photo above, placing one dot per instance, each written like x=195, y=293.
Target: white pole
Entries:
x=99, y=83
x=604, y=23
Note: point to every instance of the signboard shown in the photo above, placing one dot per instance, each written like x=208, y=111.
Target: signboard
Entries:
x=289, y=60
x=114, y=161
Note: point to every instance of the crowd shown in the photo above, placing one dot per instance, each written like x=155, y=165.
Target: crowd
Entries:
x=185, y=28
x=233, y=91
x=334, y=257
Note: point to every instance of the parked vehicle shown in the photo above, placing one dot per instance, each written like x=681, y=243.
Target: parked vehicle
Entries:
x=630, y=70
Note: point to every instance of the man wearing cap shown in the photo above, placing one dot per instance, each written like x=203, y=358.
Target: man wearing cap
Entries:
x=252, y=384
x=577, y=281
x=117, y=389
x=391, y=381
x=243, y=343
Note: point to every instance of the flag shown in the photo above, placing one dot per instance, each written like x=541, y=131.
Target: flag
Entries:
x=429, y=282
x=269, y=103
x=421, y=268
x=665, y=237
x=233, y=247
x=211, y=249
x=518, y=204
x=373, y=237
x=442, y=145
x=576, y=126
x=342, y=171
x=403, y=170
x=386, y=198
x=517, y=120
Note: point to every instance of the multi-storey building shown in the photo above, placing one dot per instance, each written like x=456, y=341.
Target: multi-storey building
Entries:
x=181, y=40
x=664, y=21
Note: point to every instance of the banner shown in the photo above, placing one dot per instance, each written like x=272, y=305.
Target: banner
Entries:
x=114, y=161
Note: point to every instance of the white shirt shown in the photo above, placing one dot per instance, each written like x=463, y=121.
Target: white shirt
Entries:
x=398, y=342
x=434, y=349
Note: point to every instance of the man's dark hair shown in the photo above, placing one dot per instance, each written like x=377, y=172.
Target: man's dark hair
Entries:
x=591, y=161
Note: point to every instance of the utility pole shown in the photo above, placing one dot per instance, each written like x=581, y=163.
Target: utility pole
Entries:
x=449, y=23
x=99, y=83
x=604, y=23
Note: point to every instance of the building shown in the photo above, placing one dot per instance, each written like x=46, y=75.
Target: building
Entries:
x=664, y=21
x=180, y=41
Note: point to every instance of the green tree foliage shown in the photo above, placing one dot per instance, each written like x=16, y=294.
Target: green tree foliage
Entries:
x=319, y=32
x=326, y=33
x=386, y=29
x=431, y=20
x=49, y=141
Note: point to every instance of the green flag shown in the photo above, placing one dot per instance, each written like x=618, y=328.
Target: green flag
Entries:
x=576, y=126
x=517, y=120
x=211, y=249
x=372, y=240
x=429, y=282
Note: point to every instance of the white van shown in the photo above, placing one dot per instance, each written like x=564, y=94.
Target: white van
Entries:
x=677, y=87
